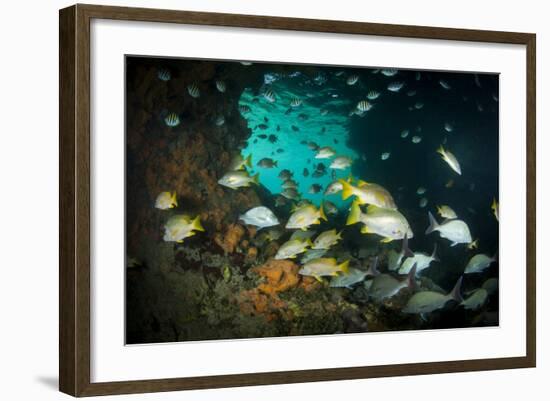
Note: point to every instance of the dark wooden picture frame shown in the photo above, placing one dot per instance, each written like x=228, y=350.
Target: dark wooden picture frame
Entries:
x=74, y=204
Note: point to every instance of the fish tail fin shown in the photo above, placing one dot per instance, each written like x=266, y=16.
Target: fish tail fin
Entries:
x=354, y=214
x=256, y=179
x=174, y=199
x=196, y=224
x=275, y=163
x=344, y=267
x=455, y=292
x=411, y=281
x=309, y=242
x=439, y=209
x=433, y=224
x=405, y=250
x=434, y=253
x=248, y=161
x=322, y=213
x=339, y=235
x=347, y=189
x=440, y=150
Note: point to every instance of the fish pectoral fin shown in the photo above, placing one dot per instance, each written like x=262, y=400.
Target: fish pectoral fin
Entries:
x=366, y=230
x=386, y=240
x=319, y=279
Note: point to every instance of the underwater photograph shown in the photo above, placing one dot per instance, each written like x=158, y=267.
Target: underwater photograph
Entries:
x=273, y=199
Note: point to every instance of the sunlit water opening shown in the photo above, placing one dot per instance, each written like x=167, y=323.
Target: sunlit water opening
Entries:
x=282, y=133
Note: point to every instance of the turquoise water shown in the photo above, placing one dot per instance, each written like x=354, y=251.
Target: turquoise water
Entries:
x=331, y=130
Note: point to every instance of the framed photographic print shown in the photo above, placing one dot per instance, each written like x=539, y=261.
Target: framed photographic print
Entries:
x=265, y=190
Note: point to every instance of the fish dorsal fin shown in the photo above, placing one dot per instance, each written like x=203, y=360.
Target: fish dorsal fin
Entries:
x=360, y=183
x=372, y=208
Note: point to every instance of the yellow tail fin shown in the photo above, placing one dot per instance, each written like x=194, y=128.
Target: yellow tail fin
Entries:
x=347, y=189
x=256, y=179
x=174, y=199
x=196, y=224
x=344, y=267
x=322, y=213
x=248, y=161
x=354, y=214
x=440, y=150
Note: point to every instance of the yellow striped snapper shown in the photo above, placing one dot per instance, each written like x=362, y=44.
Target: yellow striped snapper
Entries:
x=446, y=212
x=306, y=216
x=450, y=159
x=455, y=231
x=180, y=226
x=333, y=188
x=327, y=239
x=193, y=90
x=166, y=200
x=239, y=162
x=325, y=152
x=260, y=217
x=292, y=248
x=341, y=163
x=324, y=267
x=238, y=179
x=429, y=301
x=389, y=224
x=368, y=193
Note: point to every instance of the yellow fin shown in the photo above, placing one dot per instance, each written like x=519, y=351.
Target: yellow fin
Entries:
x=366, y=230
x=386, y=240
x=322, y=213
x=354, y=214
x=174, y=199
x=440, y=150
x=256, y=179
x=347, y=189
x=248, y=161
x=372, y=208
x=360, y=183
x=344, y=267
x=196, y=224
